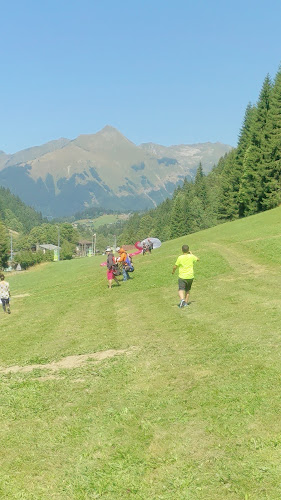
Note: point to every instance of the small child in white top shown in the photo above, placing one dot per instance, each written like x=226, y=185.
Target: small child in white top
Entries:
x=5, y=294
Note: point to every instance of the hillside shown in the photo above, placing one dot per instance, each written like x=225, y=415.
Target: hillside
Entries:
x=140, y=399
x=15, y=214
x=103, y=169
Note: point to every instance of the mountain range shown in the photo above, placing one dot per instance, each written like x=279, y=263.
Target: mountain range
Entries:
x=104, y=169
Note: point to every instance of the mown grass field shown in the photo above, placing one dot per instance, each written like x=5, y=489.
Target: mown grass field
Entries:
x=105, y=219
x=190, y=409
x=102, y=220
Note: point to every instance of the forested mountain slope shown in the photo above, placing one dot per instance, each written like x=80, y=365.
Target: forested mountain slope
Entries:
x=247, y=180
x=17, y=215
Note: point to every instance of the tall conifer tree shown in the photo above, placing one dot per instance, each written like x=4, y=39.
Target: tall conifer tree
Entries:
x=3, y=246
x=200, y=186
x=177, y=221
x=231, y=174
x=272, y=149
x=251, y=190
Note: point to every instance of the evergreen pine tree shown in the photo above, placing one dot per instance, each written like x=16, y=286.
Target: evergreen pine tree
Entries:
x=251, y=190
x=177, y=220
x=271, y=175
x=3, y=246
x=194, y=215
x=246, y=132
x=200, y=186
x=145, y=227
x=162, y=220
x=261, y=115
x=231, y=173
x=229, y=183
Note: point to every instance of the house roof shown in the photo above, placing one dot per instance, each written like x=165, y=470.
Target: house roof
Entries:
x=84, y=242
x=49, y=246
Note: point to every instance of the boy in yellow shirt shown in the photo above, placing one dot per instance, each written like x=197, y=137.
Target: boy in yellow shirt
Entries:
x=186, y=274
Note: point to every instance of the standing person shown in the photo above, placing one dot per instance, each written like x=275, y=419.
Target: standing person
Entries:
x=122, y=259
x=150, y=245
x=110, y=263
x=186, y=274
x=5, y=294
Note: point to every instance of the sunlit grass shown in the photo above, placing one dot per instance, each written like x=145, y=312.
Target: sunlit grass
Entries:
x=191, y=412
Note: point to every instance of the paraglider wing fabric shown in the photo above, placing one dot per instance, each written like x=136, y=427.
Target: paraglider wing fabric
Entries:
x=156, y=242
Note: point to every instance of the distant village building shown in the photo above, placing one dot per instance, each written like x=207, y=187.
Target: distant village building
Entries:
x=46, y=247
x=83, y=247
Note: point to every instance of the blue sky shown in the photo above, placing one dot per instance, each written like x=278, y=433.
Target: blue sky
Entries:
x=163, y=71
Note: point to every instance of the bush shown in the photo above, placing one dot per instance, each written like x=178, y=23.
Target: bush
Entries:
x=26, y=258
x=66, y=251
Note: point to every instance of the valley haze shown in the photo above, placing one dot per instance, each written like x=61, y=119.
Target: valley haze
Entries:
x=104, y=169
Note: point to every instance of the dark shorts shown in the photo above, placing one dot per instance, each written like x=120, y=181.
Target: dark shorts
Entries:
x=185, y=284
x=5, y=302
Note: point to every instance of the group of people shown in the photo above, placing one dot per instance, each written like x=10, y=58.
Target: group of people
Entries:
x=184, y=265
x=5, y=294
x=115, y=266
x=123, y=264
x=147, y=246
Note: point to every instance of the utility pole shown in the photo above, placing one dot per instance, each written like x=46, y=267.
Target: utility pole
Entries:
x=95, y=240
x=58, y=243
x=11, y=248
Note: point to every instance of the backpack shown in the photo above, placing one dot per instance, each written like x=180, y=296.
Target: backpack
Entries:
x=110, y=261
x=128, y=264
x=115, y=269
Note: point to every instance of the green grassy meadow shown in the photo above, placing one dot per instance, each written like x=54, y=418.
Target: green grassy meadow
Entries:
x=190, y=409
x=101, y=220
x=105, y=219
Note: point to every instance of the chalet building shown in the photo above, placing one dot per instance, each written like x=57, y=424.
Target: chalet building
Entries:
x=83, y=247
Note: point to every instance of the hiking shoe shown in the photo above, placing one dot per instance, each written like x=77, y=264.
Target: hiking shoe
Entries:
x=9, y=310
x=181, y=304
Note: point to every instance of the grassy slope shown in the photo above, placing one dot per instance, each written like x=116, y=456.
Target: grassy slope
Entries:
x=194, y=413
x=100, y=221
x=105, y=219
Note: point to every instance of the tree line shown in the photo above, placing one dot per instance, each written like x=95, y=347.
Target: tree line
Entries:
x=247, y=180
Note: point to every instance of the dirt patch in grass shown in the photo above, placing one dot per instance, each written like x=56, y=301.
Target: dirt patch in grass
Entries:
x=69, y=362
